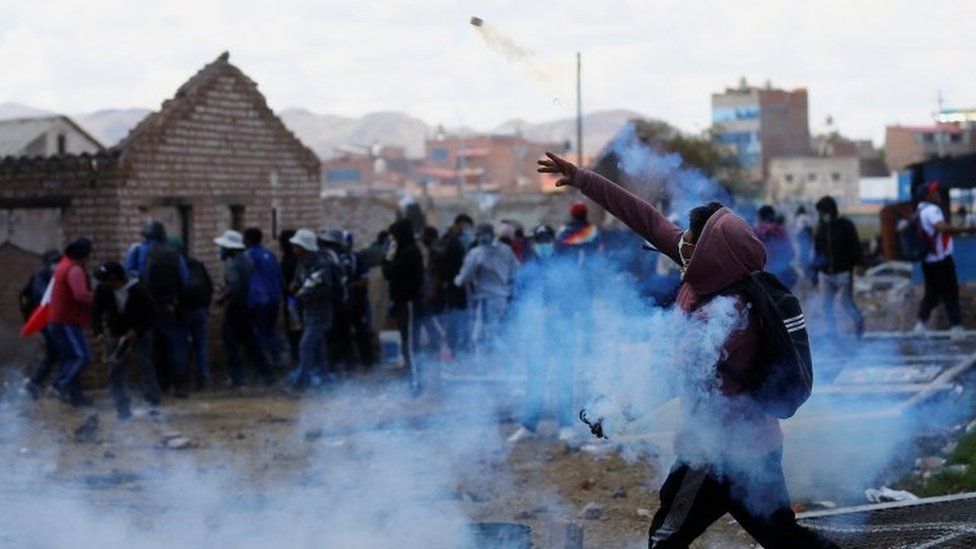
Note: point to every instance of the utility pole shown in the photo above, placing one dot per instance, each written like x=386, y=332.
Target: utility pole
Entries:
x=940, y=136
x=579, y=112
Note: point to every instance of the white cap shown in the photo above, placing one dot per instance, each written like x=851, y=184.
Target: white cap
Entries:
x=232, y=240
x=306, y=239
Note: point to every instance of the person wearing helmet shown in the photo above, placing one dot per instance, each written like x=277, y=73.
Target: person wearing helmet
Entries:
x=122, y=320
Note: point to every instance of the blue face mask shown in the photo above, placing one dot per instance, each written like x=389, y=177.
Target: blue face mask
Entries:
x=467, y=237
x=544, y=249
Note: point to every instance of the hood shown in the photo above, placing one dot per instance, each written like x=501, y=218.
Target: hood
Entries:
x=727, y=251
x=402, y=231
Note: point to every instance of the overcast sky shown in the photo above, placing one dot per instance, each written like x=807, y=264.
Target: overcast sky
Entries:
x=865, y=63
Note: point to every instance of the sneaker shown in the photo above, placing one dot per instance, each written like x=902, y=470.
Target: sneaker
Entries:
x=520, y=435
x=919, y=328
x=566, y=434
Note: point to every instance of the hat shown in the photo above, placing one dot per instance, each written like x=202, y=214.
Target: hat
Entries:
x=931, y=186
x=232, y=240
x=79, y=249
x=543, y=233
x=306, y=239
x=578, y=209
x=332, y=236
x=154, y=230
x=111, y=270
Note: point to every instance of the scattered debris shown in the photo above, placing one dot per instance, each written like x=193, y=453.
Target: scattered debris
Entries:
x=180, y=443
x=619, y=493
x=644, y=513
x=108, y=454
x=885, y=495
x=587, y=484
x=958, y=469
x=110, y=480
x=524, y=515
x=541, y=509
x=167, y=435
x=313, y=434
x=591, y=511
x=88, y=429
x=240, y=435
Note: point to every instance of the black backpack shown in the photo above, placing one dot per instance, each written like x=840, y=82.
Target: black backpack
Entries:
x=199, y=290
x=912, y=240
x=161, y=276
x=784, y=377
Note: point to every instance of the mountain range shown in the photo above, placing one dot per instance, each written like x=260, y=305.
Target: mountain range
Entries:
x=323, y=133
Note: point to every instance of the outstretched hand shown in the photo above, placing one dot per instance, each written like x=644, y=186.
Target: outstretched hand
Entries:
x=555, y=165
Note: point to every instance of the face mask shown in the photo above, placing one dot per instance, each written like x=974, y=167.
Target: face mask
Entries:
x=467, y=237
x=224, y=254
x=544, y=249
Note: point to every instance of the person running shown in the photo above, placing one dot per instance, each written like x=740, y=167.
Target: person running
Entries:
x=30, y=299
x=837, y=254
x=938, y=266
x=69, y=315
x=122, y=320
x=744, y=477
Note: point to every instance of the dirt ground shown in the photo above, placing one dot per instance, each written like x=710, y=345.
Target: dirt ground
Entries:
x=273, y=443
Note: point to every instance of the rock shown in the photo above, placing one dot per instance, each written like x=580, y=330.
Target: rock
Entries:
x=108, y=454
x=240, y=435
x=313, y=434
x=167, y=435
x=541, y=509
x=87, y=430
x=931, y=463
x=591, y=511
x=587, y=484
x=619, y=493
x=180, y=443
x=644, y=513
x=524, y=515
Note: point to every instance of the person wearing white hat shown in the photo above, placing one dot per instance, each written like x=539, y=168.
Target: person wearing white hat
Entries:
x=312, y=288
x=237, y=328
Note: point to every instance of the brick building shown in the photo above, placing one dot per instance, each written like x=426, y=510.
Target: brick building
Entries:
x=758, y=124
x=214, y=157
x=374, y=170
x=905, y=145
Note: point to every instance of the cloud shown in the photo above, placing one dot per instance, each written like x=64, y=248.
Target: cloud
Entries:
x=865, y=63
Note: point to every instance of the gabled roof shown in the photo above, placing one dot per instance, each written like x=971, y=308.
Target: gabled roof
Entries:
x=16, y=134
x=190, y=90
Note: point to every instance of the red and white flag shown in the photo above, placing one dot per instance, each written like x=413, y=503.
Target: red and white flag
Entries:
x=38, y=319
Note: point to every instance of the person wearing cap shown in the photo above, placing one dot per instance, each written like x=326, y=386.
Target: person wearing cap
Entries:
x=837, y=253
x=489, y=272
x=579, y=239
x=70, y=313
x=267, y=289
x=122, y=320
x=30, y=298
x=311, y=290
x=938, y=266
x=238, y=327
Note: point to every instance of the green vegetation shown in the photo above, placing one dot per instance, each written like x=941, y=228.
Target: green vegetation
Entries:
x=950, y=482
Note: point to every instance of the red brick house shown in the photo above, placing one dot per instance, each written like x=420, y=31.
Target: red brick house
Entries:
x=214, y=157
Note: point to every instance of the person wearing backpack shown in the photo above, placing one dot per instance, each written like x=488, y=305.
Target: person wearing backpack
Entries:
x=267, y=289
x=237, y=328
x=938, y=266
x=30, y=299
x=718, y=254
x=160, y=267
x=193, y=312
x=837, y=254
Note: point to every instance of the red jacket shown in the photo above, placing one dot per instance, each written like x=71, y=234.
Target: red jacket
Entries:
x=726, y=251
x=72, y=296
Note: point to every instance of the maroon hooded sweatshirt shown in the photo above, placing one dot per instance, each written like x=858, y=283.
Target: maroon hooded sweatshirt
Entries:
x=727, y=251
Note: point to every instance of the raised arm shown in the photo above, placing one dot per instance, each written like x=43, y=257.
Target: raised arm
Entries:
x=642, y=218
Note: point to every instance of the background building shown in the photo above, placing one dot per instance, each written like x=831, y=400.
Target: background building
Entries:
x=758, y=124
x=905, y=145
x=362, y=170
x=803, y=180
x=45, y=136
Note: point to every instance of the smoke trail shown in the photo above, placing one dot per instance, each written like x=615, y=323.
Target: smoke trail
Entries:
x=517, y=55
x=655, y=176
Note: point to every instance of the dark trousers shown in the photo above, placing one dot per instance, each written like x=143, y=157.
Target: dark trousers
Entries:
x=407, y=321
x=75, y=357
x=339, y=342
x=692, y=498
x=195, y=325
x=169, y=342
x=43, y=369
x=265, y=330
x=141, y=348
x=940, y=286
x=237, y=331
